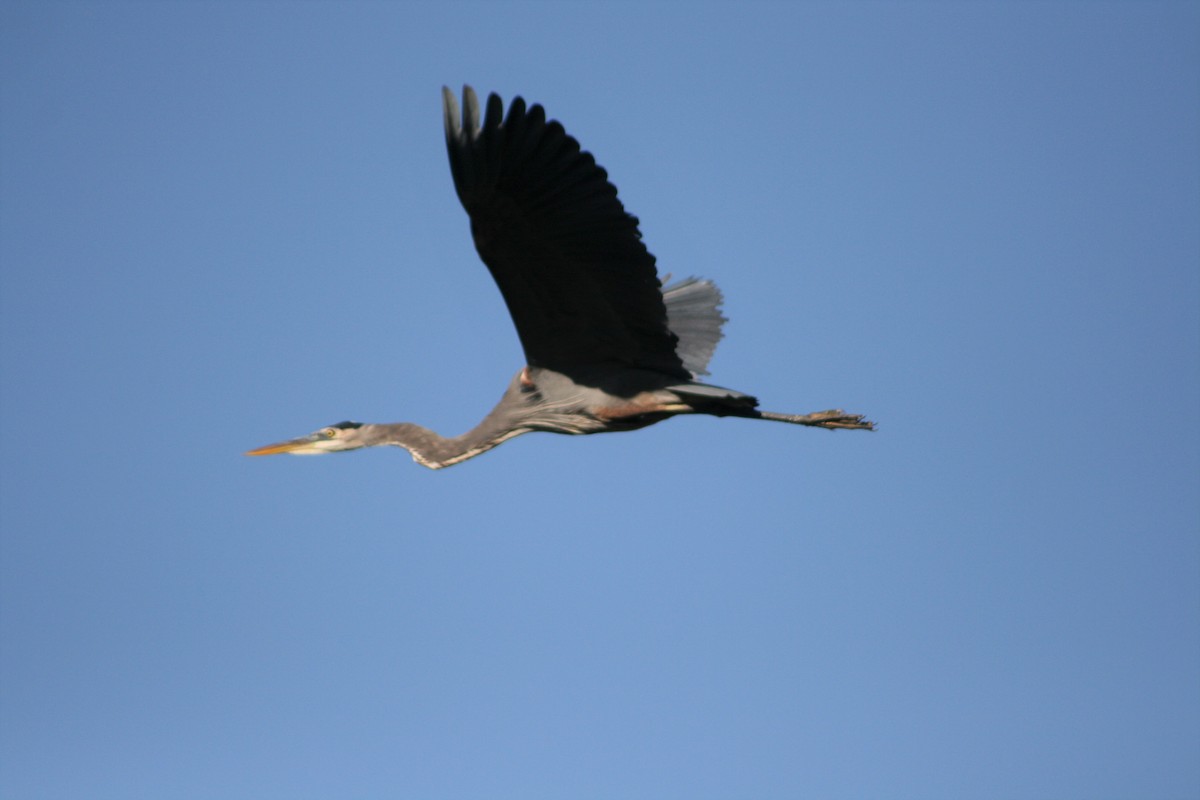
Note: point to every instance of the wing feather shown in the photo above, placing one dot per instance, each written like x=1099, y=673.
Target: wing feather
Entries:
x=569, y=260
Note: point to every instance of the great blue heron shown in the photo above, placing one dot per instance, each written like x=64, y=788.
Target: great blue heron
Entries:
x=607, y=347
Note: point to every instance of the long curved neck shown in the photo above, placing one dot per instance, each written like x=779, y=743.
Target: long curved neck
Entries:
x=519, y=411
x=431, y=450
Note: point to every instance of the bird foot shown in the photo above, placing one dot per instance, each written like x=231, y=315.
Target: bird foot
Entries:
x=830, y=420
x=836, y=418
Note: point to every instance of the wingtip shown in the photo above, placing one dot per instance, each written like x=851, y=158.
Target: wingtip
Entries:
x=495, y=112
x=450, y=113
x=470, y=119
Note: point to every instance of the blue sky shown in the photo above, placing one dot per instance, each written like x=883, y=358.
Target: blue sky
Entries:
x=225, y=224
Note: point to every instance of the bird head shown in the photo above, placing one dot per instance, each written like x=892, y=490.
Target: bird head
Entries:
x=330, y=439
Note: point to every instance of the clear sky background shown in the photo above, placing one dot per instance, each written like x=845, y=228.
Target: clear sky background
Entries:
x=224, y=224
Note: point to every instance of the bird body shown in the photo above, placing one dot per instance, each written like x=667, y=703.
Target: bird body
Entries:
x=607, y=347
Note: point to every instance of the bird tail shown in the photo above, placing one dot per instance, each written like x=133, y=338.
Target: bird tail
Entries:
x=706, y=398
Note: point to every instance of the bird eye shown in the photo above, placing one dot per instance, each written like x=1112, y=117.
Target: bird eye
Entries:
x=329, y=433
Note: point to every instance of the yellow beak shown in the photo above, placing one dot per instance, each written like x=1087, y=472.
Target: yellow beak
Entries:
x=301, y=445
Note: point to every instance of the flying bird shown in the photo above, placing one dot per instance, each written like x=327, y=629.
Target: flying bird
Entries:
x=607, y=346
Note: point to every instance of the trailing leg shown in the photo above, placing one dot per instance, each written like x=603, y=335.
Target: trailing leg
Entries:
x=703, y=398
x=830, y=420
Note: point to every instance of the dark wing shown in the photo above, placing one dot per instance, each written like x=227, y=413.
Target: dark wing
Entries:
x=570, y=263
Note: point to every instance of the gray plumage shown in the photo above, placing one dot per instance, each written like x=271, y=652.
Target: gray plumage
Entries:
x=607, y=348
x=694, y=316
